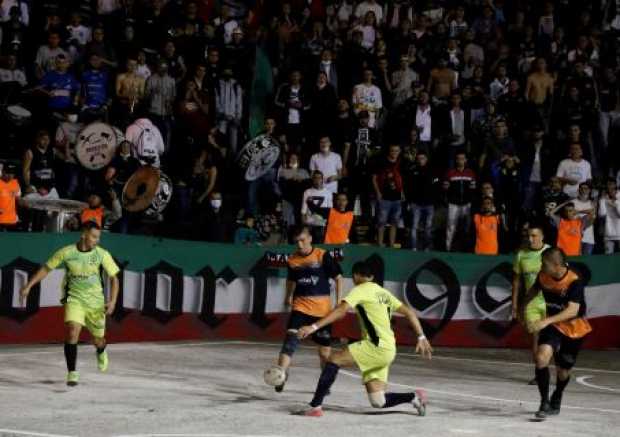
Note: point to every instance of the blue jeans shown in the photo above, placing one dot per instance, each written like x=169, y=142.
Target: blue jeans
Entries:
x=417, y=212
x=266, y=182
x=587, y=248
x=389, y=212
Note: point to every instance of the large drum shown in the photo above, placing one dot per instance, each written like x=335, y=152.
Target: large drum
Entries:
x=96, y=145
x=59, y=211
x=17, y=115
x=148, y=190
x=258, y=156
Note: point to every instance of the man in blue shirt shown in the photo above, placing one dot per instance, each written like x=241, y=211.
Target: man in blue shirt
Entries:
x=61, y=86
x=94, y=84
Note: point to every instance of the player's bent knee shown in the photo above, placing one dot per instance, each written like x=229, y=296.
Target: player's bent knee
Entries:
x=290, y=344
x=377, y=399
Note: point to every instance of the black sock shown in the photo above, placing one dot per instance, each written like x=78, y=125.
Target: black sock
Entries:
x=393, y=399
x=328, y=376
x=70, y=356
x=542, y=378
x=100, y=349
x=560, y=385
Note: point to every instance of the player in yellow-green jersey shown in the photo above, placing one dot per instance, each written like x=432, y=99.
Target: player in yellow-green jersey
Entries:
x=374, y=353
x=526, y=266
x=83, y=297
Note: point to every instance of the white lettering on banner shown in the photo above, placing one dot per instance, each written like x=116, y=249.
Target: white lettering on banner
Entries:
x=236, y=297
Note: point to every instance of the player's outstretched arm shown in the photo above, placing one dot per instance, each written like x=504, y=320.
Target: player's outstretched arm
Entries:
x=423, y=346
x=38, y=277
x=337, y=313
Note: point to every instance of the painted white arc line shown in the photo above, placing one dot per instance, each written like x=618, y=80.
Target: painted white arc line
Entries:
x=29, y=433
x=583, y=381
x=483, y=398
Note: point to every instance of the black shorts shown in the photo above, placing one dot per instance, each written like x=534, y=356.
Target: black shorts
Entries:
x=565, y=349
x=322, y=337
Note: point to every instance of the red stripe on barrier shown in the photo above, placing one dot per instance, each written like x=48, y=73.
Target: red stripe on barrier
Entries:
x=46, y=327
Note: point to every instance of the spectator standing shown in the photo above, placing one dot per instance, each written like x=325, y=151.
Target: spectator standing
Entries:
x=609, y=210
x=460, y=186
x=328, y=163
x=388, y=185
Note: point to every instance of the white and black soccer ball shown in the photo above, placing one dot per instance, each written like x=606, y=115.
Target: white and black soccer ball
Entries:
x=274, y=376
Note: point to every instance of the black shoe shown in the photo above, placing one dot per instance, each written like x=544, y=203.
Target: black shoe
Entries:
x=280, y=388
x=543, y=411
x=555, y=404
x=532, y=382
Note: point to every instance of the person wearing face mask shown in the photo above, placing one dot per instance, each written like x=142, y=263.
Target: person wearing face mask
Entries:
x=213, y=224
x=323, y=109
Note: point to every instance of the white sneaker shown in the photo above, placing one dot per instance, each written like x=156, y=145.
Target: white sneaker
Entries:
x=419, y=402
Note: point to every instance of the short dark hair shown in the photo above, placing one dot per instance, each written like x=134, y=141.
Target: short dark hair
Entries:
x=90, y=225
x=297, y=230
x=363, y=268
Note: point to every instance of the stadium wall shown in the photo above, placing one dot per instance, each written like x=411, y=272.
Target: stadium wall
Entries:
x=181, y=290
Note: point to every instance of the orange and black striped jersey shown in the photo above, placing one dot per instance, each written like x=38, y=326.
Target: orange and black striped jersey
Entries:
x=311, y=274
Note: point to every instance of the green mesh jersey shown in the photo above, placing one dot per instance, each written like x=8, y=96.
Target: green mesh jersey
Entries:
x=83, y=281
x=374, y=306
x=527, y=264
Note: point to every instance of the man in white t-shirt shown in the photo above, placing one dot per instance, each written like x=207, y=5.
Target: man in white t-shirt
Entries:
x=315, y=206
x=367, y=97
x=609, y=210
x=574, y=171
x=329, y=163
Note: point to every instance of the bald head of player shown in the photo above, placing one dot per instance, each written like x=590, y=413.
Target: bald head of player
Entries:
x=302, y=239
x=91, y=234
x=554, y=263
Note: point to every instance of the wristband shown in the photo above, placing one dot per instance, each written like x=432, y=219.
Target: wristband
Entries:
x=421, y=337
x=314, y=327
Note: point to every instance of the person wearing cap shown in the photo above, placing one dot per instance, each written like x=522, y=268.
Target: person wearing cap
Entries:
x=10, y=192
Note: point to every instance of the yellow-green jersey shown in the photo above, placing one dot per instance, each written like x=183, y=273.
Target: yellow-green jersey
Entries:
x=374, y=306
x=83, y=281
x=527, y=264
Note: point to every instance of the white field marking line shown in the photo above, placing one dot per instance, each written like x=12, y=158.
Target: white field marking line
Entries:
x=196, y=435
x=132, y=346
x=583, y=381
x=475, y=360
x=28, y=433
x=482, y=398
x=507, y=363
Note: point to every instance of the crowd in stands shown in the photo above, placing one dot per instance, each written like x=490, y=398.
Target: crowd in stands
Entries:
x=420, y=124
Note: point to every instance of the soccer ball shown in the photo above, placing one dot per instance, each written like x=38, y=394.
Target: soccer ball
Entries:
x=274, y=376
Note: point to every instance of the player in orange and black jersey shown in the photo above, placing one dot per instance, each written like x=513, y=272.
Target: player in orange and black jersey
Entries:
x=308, y=294
x=562, y=332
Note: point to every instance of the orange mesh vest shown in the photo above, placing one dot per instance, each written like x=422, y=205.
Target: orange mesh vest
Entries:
x=92, y=215
x=486, y=234
x=338, y=227
x=569, y=237
x=574, y=328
